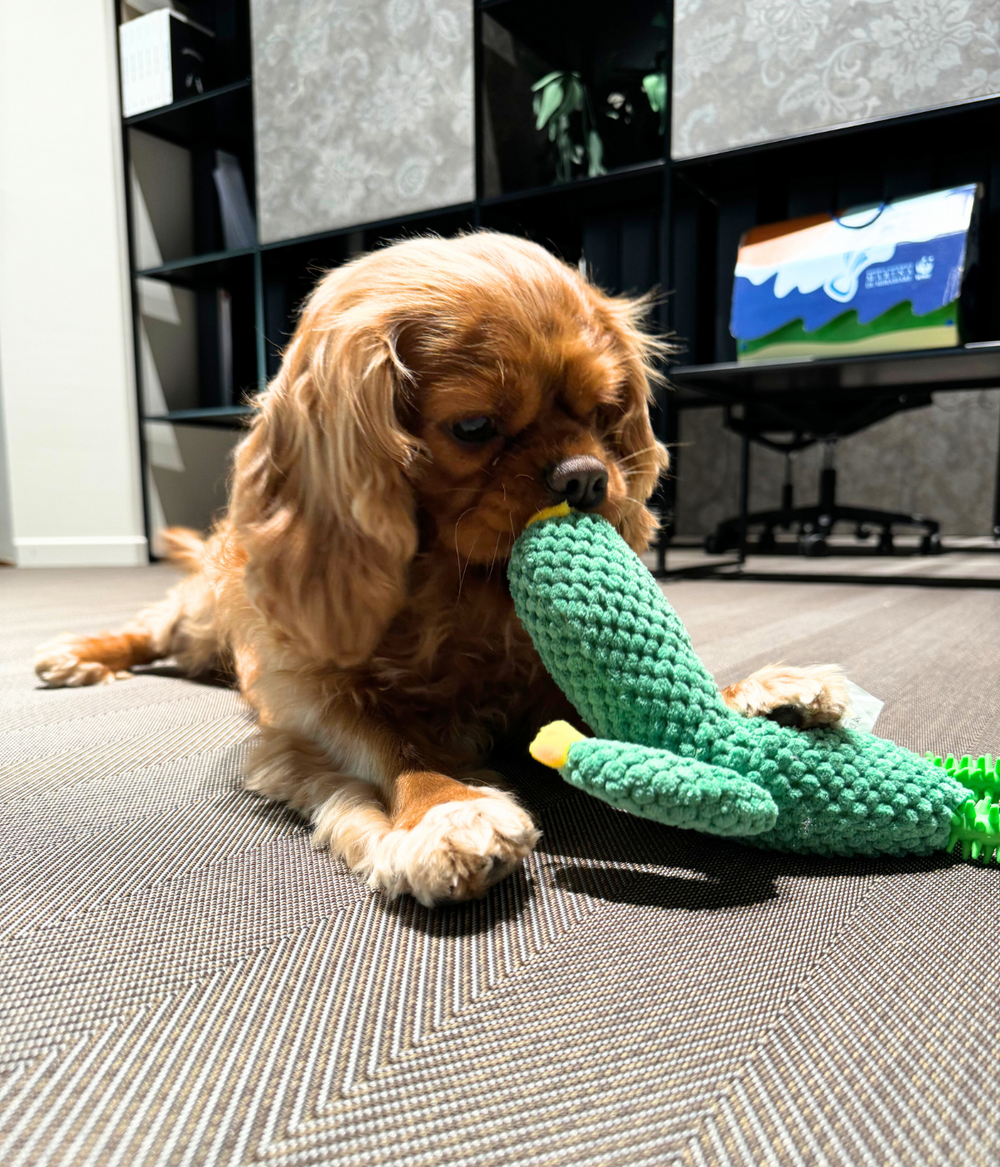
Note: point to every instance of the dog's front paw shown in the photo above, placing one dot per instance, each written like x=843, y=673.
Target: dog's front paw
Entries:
x=457, y=851
x=64, y=663
x=798, y=697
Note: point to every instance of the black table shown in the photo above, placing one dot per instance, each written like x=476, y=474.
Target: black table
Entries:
x=908, y=377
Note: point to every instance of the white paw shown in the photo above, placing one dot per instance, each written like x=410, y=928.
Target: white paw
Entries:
x=800, y=697
x=59, y=664
x=457, y=851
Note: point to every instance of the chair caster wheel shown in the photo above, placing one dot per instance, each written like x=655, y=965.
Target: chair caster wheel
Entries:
x=766, y=542
x=885, y=544
x=931, y=544
x=812, y=545
x=862, y=532
x=714, y=545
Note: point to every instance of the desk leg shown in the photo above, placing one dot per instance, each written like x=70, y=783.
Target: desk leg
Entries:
x=744, y=495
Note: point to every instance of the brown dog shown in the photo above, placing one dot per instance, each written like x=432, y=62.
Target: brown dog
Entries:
x=435, y=395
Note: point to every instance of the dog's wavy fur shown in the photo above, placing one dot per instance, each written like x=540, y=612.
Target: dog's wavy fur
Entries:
x=357, y=587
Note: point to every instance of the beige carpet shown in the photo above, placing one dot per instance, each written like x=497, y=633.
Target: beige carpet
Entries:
x=186, y=982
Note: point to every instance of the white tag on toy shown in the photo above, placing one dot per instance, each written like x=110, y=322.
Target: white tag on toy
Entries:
x=864, y=710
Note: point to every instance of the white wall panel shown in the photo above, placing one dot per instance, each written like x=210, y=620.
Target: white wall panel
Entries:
x=65, y=332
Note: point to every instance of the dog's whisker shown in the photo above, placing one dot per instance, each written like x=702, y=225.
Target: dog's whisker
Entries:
x=458, y=553
x=496, y=550
x=633, y=503
x=461, y=578
x=635, y=454
x=451, y=490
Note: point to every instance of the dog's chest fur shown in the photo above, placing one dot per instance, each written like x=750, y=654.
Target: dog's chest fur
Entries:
x=457, y=665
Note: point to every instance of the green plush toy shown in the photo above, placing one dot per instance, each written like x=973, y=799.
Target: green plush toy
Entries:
x=667, y=746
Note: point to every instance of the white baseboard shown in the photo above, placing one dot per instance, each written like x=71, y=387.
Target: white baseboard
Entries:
x=81, y=551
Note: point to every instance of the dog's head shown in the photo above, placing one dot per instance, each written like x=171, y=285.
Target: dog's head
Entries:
x=436, y=394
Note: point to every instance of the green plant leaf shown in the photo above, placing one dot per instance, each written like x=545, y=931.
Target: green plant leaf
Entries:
x=543, y=81
x=654, y=85
x=595, y=155
x=575, y=93
x=547, y=102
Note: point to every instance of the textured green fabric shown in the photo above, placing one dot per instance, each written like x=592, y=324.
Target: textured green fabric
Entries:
x=667, y=746
x=683, y=792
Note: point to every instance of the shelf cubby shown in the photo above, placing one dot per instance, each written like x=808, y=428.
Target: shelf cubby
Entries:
x=718, y=197
x=215, y=116
x=596, y=113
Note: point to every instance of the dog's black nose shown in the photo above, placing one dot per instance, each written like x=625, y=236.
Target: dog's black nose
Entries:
x=582, y=481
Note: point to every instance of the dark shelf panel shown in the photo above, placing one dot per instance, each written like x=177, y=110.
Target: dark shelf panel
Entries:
x=974, y=366
x=195, y=269
x=643, y=178
x=612, y=220
x=167, y=111
x=216, y=415
x=378, y=226
x=221, y=117
x=641, y=172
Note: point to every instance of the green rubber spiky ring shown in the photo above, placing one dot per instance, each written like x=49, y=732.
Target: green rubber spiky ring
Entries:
x=976, y=822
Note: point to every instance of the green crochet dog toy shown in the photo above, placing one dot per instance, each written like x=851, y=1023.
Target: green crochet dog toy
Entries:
x=668, y=748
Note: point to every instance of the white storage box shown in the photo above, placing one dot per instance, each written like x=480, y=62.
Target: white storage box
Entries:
x=164, y=58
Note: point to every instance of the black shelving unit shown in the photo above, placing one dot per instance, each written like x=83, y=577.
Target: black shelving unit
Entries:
x=647, y=222
x=718, y=197
x=613, y=220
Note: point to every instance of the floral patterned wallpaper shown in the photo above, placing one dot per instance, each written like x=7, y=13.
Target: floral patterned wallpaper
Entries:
x=363, y=111
x=756, y=70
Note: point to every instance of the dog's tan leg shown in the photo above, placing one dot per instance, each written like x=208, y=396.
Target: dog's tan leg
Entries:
x=415, y=831
x=348, y=815
x=800, y=697
x=180, y=625
x=93, y=660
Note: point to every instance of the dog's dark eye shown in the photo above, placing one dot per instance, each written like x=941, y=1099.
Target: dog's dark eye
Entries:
x=474, y=430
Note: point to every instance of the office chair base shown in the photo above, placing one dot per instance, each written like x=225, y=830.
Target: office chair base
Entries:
x=815, y=525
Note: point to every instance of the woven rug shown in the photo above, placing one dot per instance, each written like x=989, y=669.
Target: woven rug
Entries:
x=186, y=982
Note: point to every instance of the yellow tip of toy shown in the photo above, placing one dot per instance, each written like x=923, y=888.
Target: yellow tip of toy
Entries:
x=556, y=512
x=552, y=745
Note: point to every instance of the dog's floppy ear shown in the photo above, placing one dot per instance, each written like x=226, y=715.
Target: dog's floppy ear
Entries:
x=642, y=457
x=321, y=496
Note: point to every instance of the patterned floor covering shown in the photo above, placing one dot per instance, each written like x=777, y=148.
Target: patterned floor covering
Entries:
x=186, y=982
